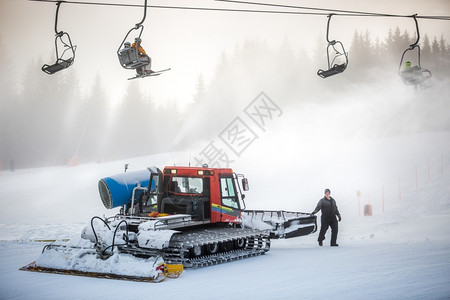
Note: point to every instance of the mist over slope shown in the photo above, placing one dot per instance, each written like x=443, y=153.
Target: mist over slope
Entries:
x=400, y=177
x=367, y=101
x=399, y=252
x=52, y=122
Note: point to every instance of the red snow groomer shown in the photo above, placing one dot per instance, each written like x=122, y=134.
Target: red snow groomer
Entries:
x=186, y=216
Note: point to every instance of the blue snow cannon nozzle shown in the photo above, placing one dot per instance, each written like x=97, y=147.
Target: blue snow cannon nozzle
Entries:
x=117, y=190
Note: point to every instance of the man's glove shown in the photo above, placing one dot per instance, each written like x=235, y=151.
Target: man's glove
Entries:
x=339, y=218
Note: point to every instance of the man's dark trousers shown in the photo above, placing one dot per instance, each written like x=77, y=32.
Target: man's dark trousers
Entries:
x=329, y=222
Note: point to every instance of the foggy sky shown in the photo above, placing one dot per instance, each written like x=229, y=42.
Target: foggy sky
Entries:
x=191, y=42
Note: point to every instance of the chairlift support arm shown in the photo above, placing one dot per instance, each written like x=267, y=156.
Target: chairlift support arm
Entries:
x=56, y=18
x=145, y=15
x=328, y=30
x=136, y=27
x=417, y=30
x=59, y=34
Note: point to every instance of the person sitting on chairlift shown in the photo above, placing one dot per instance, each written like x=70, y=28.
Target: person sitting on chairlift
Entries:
x=407, y=65
x=414, y=75
x=142, y=55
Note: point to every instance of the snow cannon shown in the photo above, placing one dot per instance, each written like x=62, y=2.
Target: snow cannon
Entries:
x=117, y=190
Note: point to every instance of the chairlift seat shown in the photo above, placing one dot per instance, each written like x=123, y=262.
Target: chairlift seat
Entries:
x=59, y=65
x=129, y=58
x=336, y=69
x=415, y=75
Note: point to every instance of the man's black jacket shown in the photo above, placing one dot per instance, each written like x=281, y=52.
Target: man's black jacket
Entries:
x=328, y=207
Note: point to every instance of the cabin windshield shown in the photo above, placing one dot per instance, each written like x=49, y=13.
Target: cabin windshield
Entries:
x=186, y=185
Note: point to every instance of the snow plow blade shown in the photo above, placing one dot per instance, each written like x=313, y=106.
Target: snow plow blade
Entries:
x=88, y=261
x=280, y=224
x=170, y=271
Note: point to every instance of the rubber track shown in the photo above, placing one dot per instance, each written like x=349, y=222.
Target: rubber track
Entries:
x=257, y=243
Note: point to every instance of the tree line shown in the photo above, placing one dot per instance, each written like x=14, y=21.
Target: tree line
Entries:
x=366, y=53
x=52, y=122
x=289, y=75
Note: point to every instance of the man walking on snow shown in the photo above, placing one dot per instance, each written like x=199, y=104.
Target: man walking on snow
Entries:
x=329, y=212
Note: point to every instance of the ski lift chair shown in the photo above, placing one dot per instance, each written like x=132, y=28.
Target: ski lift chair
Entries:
x=62, y=38
x=415, y=75
x=129, y=56
x=338, y=48
x=61, y=62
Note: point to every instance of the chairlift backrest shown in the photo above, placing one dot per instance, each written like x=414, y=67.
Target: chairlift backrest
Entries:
x=129, y=58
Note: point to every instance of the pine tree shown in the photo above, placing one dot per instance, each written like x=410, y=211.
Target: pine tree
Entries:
x=200, y=90
x=442, y=45
x=134, y=124
x=96, y=128
x=38, y=104
x=378, y=52
x=8, y=106
x=426, y=57
x=426, y=47
x=70, y=118
x=435, y=49
x=396, y=43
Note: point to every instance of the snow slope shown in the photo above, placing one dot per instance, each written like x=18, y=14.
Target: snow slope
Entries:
x=402, y=252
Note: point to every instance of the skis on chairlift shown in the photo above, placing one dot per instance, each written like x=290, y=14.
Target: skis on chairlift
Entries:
x=153, y=73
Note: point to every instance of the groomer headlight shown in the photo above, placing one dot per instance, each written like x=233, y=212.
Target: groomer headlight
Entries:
x=170, y=171
x=205, y=172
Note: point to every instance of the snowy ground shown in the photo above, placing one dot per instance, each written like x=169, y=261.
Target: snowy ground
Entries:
x=401, y=253
x=294, y=270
